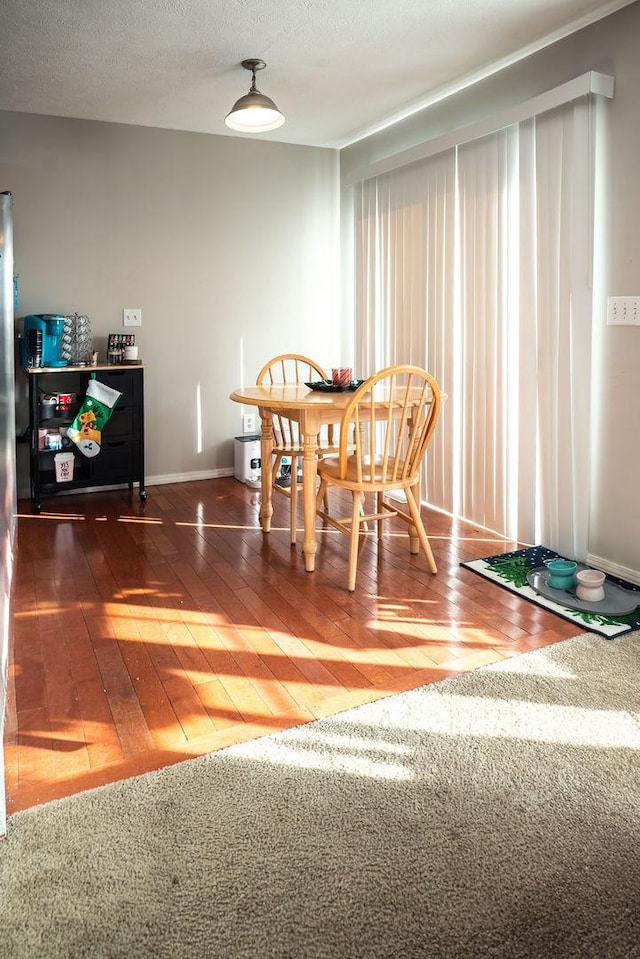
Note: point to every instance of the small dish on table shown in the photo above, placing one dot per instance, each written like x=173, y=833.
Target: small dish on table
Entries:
x=327, y=386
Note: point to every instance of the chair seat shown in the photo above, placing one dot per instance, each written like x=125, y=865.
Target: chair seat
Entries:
x=384, y=476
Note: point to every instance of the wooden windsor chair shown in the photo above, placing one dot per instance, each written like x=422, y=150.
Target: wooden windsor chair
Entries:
x=384, y=434
x=292, y=368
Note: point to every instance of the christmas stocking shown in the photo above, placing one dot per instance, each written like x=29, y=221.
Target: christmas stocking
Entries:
x=97, y=407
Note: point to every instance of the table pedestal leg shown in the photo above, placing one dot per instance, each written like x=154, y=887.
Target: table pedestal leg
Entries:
x=309, y=476
x=266, y=467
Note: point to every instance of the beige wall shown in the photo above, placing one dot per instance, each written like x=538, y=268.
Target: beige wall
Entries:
x=229, y=246
x=609, y=46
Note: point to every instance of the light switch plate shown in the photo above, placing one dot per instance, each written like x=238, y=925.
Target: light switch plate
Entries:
x=132, y=317
x=623, y=311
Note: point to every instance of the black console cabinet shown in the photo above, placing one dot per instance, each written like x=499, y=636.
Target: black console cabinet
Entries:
x=121, y=456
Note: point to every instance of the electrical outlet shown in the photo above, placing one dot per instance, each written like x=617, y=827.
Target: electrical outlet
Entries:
x=132, y=317
x=623, y=311
x=249, y=422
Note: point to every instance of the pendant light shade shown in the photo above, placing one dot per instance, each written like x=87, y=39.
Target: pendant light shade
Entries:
x=254, y=112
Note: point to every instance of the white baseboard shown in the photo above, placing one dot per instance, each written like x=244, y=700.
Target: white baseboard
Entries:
x=623, y=572
x=165, y=478
x=160, y=480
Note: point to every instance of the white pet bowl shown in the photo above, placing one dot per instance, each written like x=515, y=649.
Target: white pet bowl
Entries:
x=590, y=586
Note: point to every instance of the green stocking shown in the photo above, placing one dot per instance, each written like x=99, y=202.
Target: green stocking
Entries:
x=97, y=407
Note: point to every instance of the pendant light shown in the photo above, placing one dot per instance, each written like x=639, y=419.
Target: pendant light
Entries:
x=254, y=112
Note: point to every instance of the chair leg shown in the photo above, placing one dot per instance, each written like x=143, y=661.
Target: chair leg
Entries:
x=414, y=533
x=414, y=509
x=355, y=536
x=379, y=509
x=321, y=493
x=275, y=468
x=363, y=502
x=324, y=499
x=293, y=490
x=414, y=541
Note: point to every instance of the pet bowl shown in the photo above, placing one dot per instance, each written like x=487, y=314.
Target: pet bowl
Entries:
x=562, y=573
x=590, y=586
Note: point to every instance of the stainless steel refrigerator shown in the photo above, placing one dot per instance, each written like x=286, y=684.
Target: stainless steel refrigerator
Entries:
x=7, y=461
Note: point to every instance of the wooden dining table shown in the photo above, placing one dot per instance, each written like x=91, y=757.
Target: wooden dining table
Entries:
x=311, y=410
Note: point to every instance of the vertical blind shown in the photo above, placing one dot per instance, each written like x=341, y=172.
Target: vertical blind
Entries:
x=404, y=273
x=476, y=263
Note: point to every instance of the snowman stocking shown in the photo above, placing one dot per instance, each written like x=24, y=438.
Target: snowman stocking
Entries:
x=97, y=407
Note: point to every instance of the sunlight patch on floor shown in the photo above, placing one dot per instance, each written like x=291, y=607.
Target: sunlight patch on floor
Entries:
x=473, y=719
x=394, y=603
x=535, y=665
x=56, y=516
x=144, y=520
x=337, y=741
x=348, y=758
x=480, y=717
x=162, y=614
x=249, y=528
x=402, y=627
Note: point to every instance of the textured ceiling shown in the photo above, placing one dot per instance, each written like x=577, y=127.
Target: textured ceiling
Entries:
x=336, y=68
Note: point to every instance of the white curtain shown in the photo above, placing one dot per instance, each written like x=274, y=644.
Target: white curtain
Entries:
x=404, y=263
x=477, y=264
x=556, y=190
x=487, y=269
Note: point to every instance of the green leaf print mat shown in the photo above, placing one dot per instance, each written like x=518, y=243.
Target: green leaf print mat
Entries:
x=510, y=571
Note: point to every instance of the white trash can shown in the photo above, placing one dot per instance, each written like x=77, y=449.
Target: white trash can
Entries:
x=64, y=466
x=246, y=460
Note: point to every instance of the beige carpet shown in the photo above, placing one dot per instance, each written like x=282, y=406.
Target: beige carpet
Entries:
x=493, y=815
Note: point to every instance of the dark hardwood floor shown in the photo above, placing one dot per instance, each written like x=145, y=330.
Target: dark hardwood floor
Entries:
x=145, y=634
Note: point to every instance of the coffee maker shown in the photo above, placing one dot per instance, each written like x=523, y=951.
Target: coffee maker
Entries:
x=40, y=343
